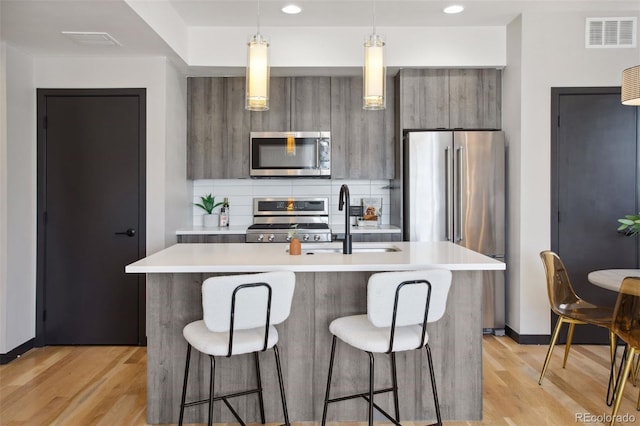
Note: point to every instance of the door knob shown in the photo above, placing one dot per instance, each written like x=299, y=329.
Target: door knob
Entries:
x=129, y=232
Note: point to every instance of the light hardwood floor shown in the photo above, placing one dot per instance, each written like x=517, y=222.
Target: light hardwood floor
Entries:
x=106, y=386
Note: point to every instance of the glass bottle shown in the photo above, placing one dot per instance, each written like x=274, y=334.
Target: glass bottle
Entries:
x=225, y=209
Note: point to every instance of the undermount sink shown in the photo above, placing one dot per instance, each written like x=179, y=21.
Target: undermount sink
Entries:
x=357, y=248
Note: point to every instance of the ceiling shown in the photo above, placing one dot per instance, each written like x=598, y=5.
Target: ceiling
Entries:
x=351, y=13
x=35, y=25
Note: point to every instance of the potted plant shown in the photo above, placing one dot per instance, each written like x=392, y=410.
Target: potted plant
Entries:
x=630, y=224
x=208, y=204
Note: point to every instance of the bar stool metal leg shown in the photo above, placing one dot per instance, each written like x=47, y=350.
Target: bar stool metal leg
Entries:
x=260, y=400
x=394, y=378
x=433, y=385
x=184, y=384
x=326, y=395
x=212, y=374
x=282, y=395
x=371, y=369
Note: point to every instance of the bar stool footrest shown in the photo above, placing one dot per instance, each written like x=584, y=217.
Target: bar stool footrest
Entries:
x=220, y=397
x=365, y=396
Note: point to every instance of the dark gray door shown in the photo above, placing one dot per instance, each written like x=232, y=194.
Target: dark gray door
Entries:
x=594, y=182
x=92, y=208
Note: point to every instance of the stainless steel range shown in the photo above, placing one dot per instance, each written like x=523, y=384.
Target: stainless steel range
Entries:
x=274, y=218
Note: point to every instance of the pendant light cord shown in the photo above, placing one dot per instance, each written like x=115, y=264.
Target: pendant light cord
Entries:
x=374, y=17
x=258, y=17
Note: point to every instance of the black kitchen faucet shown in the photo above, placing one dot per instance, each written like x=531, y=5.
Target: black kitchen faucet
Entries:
x=344, y=197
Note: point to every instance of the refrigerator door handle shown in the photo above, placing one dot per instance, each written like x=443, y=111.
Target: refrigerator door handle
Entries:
x=459, y=228
x=447, y=191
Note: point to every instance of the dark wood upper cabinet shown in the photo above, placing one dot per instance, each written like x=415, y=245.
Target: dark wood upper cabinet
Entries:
x=278, y=117
x=475, y=98
x=205, y=112
x=219, y=126
x=233, y=150
x=450, y=99
x=310, y=104
x=424, y=99
x=361, y=141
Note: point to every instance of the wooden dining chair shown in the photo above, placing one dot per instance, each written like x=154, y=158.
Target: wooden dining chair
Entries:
x=626, y=325
x=571, y=309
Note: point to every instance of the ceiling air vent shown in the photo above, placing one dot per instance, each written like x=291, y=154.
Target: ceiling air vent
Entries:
x=92, y=38
x=610, y=32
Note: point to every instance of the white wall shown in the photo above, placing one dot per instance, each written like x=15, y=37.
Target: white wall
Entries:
x=553, y=55
x=342, y=46
x=3, y=198
x=511, y=120
x=21, y=198
x=18, y=199
x=178, y=190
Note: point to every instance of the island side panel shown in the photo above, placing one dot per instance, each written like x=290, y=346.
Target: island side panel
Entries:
x=174, y=300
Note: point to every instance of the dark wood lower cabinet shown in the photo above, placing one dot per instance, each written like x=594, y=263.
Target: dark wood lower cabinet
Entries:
x=216, y=238
x=375, y=237
x=371, y=237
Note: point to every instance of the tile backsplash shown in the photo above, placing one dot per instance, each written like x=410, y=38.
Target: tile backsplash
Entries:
x=241, y=193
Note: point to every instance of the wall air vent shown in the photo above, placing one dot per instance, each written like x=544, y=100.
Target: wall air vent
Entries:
x=610, y=32
x=92, y=38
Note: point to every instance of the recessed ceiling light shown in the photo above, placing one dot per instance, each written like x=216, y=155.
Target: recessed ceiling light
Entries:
x=456, y=8
x=291, y=9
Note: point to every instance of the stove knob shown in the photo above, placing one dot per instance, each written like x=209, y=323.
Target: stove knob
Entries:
x=260, y=238
x=305, y=237
x=289, y=237
x=316, y=238
x=271, y=238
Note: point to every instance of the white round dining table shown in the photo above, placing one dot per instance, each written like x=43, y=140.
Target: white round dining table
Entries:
x=611, y=279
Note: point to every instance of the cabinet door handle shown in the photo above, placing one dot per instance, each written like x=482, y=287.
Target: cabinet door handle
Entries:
x=129, y=232
x=448, y=196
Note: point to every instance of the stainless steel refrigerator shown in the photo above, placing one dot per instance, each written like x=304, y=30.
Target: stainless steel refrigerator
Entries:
x=454, y=190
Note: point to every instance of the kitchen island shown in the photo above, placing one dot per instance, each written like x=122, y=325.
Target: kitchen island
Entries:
x=328, y=285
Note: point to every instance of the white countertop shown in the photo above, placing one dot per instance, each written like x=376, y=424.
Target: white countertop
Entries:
x=335, y=229
x=243, y=257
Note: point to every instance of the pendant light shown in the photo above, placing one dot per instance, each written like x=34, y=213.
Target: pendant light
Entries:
x=374, y=72
x=630, y=93
x=257, y=82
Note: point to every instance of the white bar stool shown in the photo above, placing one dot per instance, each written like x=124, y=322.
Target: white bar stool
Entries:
x=239, y=314
x=399, y=306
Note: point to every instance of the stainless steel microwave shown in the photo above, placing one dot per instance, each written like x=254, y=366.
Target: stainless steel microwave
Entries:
x=290, y=154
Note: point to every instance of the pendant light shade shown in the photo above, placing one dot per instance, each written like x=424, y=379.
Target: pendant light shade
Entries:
x=257, y=96
x=631, y=86
x=374, y=74
x=257, y=84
